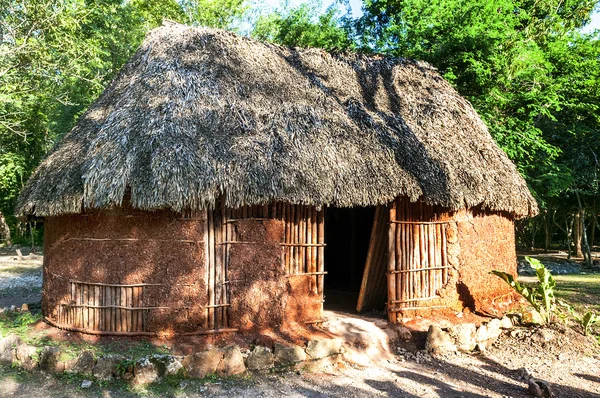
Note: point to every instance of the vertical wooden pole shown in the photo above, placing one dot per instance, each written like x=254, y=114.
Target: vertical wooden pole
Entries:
x=392, y=264
x=211, y=270
x=226, y=238
x=399, y=249
x=108, y=311
x=314, y=250
x=321, y=252
x=286, y=239
x=74, y=300
x=123, y=293
x=309, y=221
x=130, y=312
x=295, y=230
x=444, y=254
x=218, y=219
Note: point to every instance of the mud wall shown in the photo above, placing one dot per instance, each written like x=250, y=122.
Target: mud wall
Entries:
x=167, y=256
x=123, y=246
x=473, y=243
x=486, y=242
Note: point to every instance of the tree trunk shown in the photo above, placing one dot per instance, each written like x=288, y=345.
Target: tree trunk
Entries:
x=4, y=231
x=569, y=231
x=533, y=233
x=594, y=225
x=577, y=234
x=548, y=236
x=588, y=252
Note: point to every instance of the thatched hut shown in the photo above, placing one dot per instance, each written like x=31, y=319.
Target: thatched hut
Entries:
x=199, y=192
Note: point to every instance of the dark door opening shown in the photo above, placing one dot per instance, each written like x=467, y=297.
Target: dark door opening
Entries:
x=347, y=235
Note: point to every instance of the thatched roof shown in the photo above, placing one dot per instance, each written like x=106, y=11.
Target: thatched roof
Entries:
x=200, y=112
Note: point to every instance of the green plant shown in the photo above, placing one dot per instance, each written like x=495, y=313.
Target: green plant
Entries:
x=125, y=366
x=586, y=321
x=18, y=323
x=541, y=297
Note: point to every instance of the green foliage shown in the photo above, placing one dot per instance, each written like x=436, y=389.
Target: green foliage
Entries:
x=531, y=76
x=57, y=56
x=18, y=323
x=305, y=26
x=585, y=321
x=214, y=13
x=125, y=366
x=541, y=297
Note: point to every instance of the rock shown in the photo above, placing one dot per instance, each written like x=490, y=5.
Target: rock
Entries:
x=106, y=367
x=382, y=324
x=319, y=365
x=494, y=330
x=7, y=347
x=317, y=349
x=168, y=365
x=403, y=332
x=232, y=362
x=532, y=317
x=289, y=355
x=546, y=389
x=13, y=307
x=438, y=341
x=27, y=356
x=202, y=364
x=86, y=384
x=506, y=323
x=24, y=307
x=82, y=364
x=50, y=360
x=542, y=336
x=524, y=374
x=533, y=389
x=260, y=358
x=464, y=336
x=145, y=372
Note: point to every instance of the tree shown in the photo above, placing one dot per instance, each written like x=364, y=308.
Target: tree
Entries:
x=56, y=57
x=305, y=26
x=528, y=72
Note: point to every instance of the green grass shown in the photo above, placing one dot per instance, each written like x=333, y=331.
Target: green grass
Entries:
x=580, y=291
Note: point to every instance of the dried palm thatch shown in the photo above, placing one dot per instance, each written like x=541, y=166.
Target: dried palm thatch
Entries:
x=199, y=112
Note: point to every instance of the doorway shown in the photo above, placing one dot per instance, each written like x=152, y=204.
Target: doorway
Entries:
x=347, y=235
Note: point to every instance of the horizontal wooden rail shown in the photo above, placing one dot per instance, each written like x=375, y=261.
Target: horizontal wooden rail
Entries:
x=106, y=333
x=309, y=273
x=400, y=309
x=114, y=284
x=132, y=240
x=415, y=299
x=232, y=220
x=304, y=244
x=423, y=222
x=401, y=271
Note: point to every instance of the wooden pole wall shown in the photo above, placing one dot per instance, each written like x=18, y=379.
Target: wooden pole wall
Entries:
x=418, y=266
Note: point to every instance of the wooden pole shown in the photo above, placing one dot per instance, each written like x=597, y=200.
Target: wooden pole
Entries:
x=392, y=316
x=321, y=252
x=211, y=271
x=218, y=284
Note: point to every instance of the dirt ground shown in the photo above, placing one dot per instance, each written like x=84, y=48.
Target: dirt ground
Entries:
x=554, y=355
x=561, y=356
x=20, y=277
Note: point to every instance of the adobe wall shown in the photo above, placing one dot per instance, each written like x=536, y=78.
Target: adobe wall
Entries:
x=125, y=246
x=168, y=254
x=486, y=242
